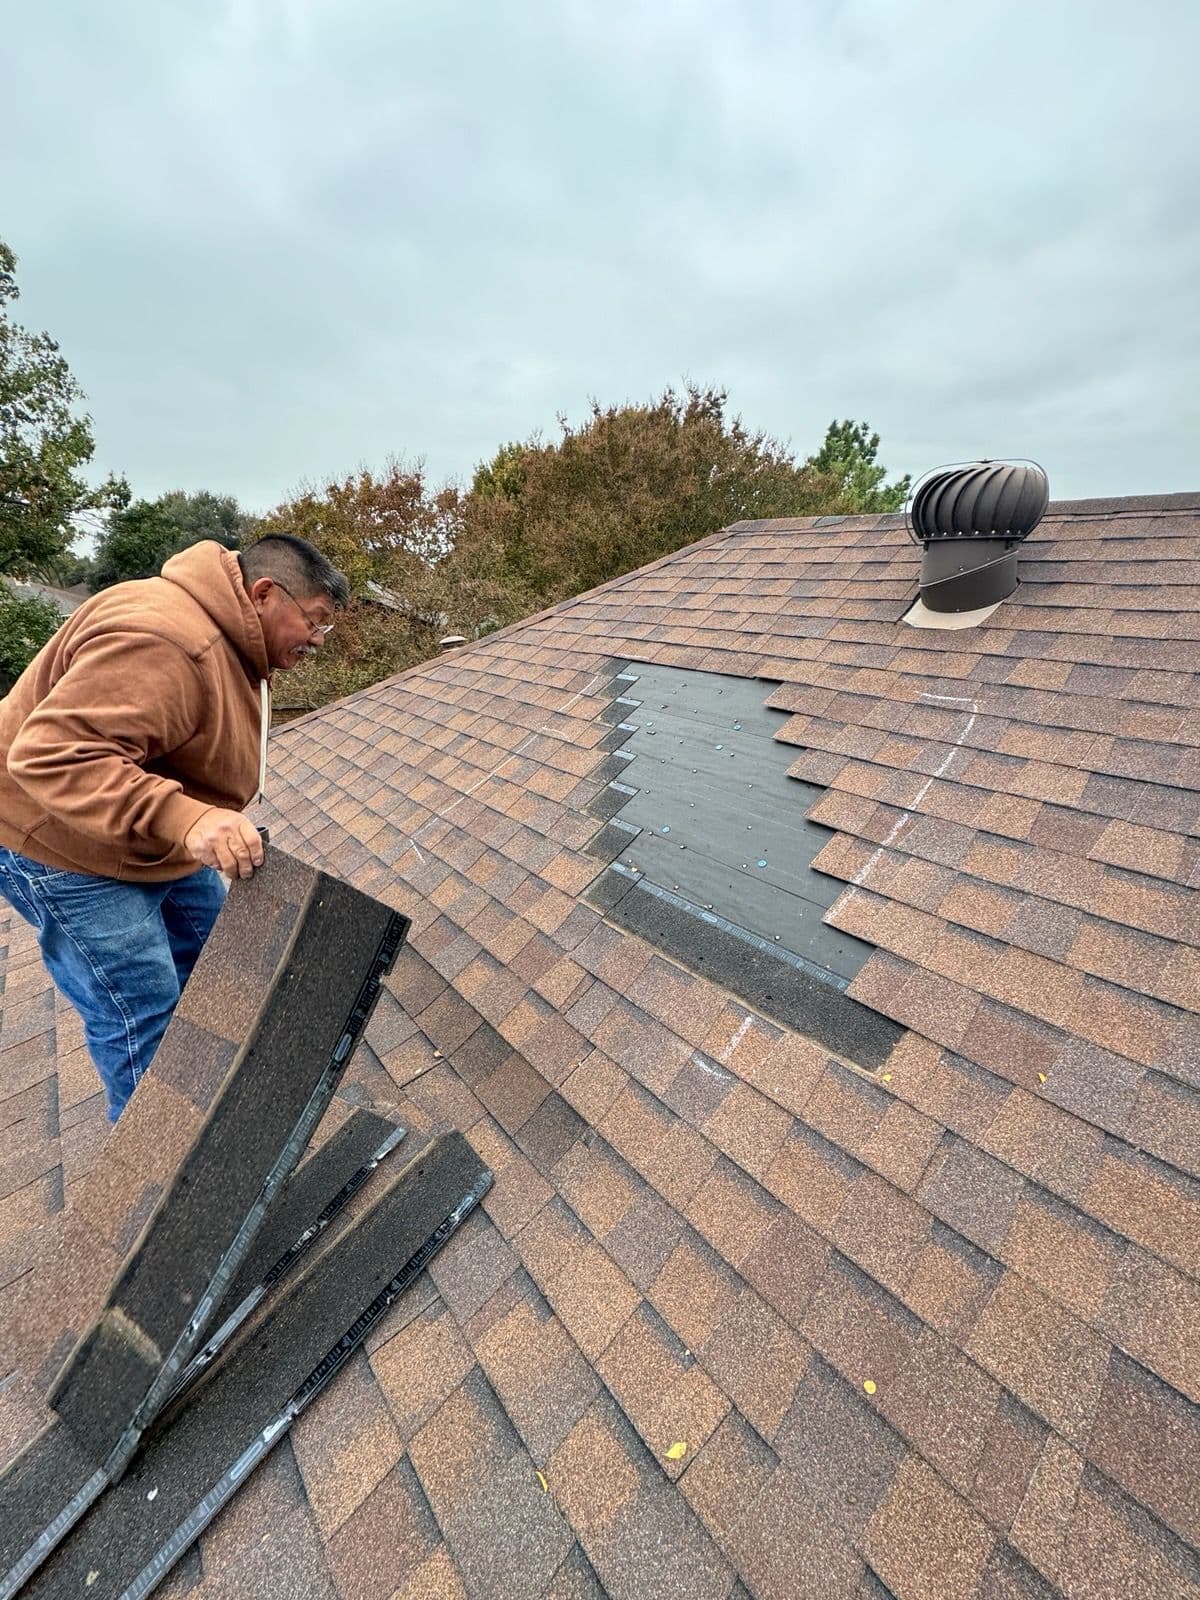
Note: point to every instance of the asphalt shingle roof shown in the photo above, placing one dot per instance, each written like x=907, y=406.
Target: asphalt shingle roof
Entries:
x=932, y=1331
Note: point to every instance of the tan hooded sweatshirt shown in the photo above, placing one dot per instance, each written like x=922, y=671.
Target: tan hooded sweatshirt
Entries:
x=146, y=709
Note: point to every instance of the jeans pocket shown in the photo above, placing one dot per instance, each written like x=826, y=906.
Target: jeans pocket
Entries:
x=91, y=908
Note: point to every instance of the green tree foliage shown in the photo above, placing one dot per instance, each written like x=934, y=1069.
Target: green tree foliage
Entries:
x=26, y=622
x=44, y=443
x=140, y=538
x=631, y=484
x=848, y=455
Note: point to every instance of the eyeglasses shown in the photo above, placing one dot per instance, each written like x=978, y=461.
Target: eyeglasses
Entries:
x=322, y=628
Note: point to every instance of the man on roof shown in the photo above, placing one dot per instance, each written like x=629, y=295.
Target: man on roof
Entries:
x=129, y=748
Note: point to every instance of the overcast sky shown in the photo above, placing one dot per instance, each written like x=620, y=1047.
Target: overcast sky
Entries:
x=277, y=239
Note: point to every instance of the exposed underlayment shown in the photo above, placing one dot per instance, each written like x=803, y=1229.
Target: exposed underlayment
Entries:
x=714, y=816
x=713, y=853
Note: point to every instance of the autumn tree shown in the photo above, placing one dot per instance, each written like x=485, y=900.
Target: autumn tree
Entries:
x=390, y=533
x=629, y=485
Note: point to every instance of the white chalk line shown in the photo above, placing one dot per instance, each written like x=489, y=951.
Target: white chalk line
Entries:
x=906, y=816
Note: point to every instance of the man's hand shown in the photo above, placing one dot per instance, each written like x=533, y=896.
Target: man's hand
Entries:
x=225, y=840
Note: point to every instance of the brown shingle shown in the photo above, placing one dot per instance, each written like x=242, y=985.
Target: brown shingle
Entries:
x=924, y=1541
x=727, y=1475
x=860, y=1329
x=513, y=1092
x=593, y=1297
x=695, y=1290
x=543, y=1380
x=975, y=1194
x=845, y=1108
x=472, y=1265
x=1153, y=1312
x=883, y=1231
x=944, y=1405
x=1043, y=1353
x=1147, y=1438
x=420, y=1366
x=1063, y=1252
x=468, y=1437
x=597, y=1184
x=377, y=1548
x=643, y=1238
x=749, y=1128
x=594, y=1086
x=951, y=1283
x=519, y=1190
x=1012, y=1448
x=786, y=1265
x=731, y=1211
x=1046, y=1144
x=788, y=1072
x=757, y=1359
x=1147, y=1201
x=839, y=1447
x=345, y=1445
x=670, y=1400
x=812, y=1177
x=785, y=1540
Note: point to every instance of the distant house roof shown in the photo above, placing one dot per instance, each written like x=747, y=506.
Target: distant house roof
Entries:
x=390, y=600
x=741, y=1315
x=66, y=600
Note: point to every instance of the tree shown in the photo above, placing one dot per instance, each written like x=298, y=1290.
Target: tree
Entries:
x=388, y=528
x=140, y=538
x=43, y=444
x=633, y=483
x=848, y=455
x=26, y=622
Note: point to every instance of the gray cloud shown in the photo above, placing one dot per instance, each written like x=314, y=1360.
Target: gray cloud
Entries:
x=280, y=239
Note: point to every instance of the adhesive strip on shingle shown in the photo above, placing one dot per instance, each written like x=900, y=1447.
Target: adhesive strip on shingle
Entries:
x=721, y=823
x=248, y=1397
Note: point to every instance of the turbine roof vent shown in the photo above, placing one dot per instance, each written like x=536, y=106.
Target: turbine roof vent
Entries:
x=969, y=520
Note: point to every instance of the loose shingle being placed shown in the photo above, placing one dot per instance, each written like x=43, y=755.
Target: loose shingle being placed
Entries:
x=737, y=1316
x=101, y=1330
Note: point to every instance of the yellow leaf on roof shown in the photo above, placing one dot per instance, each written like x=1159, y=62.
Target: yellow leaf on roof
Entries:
x=869, y=1385
x=677, y=1451
x=544, y=1484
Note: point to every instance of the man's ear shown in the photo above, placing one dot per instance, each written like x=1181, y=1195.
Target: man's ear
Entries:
x=259, y=590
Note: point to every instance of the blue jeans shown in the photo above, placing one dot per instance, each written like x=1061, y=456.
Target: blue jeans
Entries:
x=120, y=952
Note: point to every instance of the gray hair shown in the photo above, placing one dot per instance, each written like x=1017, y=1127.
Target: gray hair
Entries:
x=297, y=565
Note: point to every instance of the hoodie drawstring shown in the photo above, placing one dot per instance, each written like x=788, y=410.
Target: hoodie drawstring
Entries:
x=264, y=727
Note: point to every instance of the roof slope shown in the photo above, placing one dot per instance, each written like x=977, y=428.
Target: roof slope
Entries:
x=933, y=1331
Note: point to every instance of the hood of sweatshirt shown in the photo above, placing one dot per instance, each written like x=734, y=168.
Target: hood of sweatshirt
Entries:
x=212, y=577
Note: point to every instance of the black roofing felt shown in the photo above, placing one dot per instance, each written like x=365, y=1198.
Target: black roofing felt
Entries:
x=711, y=856
x=720, y=822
